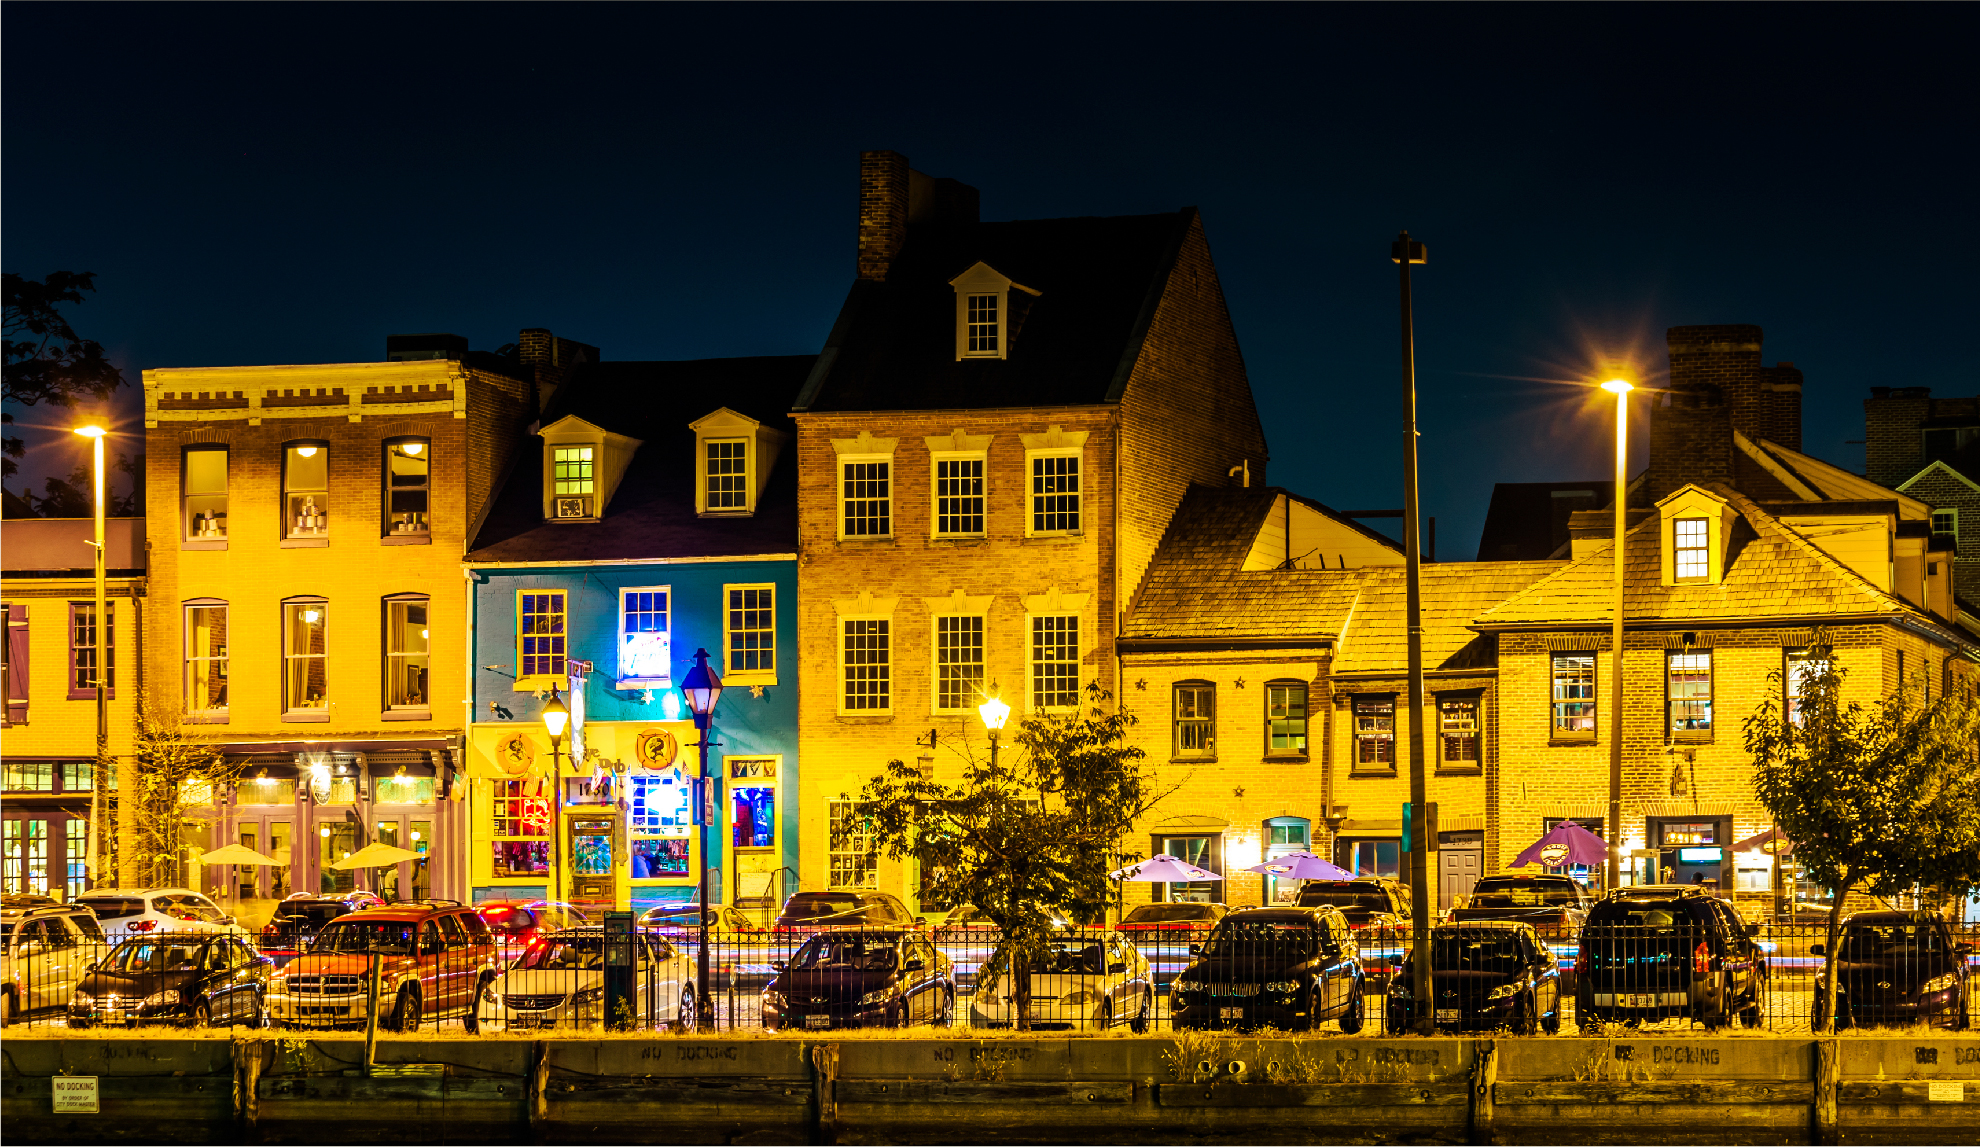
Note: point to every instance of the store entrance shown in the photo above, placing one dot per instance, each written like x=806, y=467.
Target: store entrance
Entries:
x=753, y=814
x=593, y=858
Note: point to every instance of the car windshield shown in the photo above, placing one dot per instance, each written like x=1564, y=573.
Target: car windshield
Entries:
x=153, y=956
x=1347, y=897
x=1885, y=941
x=812, y=908
x=309, y=915
x=1521, y=894
x=510, y=920
x=1273, y=939
x=388, y=937
x=1072, y=960
x=565, y=953
x=845, y=952
x=116, y=907
x=1164, y=913
x=1461, y=953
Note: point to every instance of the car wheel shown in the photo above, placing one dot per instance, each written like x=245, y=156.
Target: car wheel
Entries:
x=472, y=1020
x=202, y=1015
x=1105, y=1019
x=1755, y=1010
x=258, y=1015
x=1551, y=1022
x=1526, y=1017
x=10, y=1012
x=1351, y=1019
x=1139, y=1024
x=1962, y=1015
x=405, y=1015
x=947, y=1016
x=686, y=1020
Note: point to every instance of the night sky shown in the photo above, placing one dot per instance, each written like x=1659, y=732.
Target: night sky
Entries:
x=291, y=183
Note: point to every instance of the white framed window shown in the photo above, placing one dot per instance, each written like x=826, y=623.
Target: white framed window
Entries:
x=573, y=481
x=306, y=490
x=1195, y=720
x=1054, y=661
x=1691, y=549
x=1945, y=524
x=749, y=633
x=1574, y=695
x=1688, y=693
x=726, y=464
x=983, y=326
x=866, y=497
x=958, y=663
x=305, y=656
x=203, y=482
x=206, y=660
x=407, y=477
x=1055, y=491
x=1457, y=731
x=851, y=859
x=645, y=637
x=959, y=496
x=866, y=662
x=407, y=642
x=1374, y=732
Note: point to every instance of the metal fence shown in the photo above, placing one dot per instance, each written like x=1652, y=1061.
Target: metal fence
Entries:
x=1660, y=975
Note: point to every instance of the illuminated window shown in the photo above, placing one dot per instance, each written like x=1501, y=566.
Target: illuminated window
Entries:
x=540, y=637
x=305, y=624
x=407, y=640
x=571, y=470
x=1055, y=493
x=1196, y=720
x=204, y=483
x=1055, y=662
x=868, y=664
x=853, y=862
x=1574, y=694
x=868, y=499
x=660, y=804
x=306, y=490
x=520, y=809
x=749, y=630
x=408, y=465
x=1688, y=691
x=1457, y=728
x=1285, y=717
x=1690, y=559
x=206, y=659
x=82, y=650
x=645, y=639
x=728, y=475
x=958, y=497
x=1375, y=731
x=983, y=327
x=958, y=662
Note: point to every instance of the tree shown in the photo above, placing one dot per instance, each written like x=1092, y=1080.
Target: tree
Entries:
x=175, y=773
x=1877, y=799
x=75, y=496
x=1038, y=831
x=45, y=360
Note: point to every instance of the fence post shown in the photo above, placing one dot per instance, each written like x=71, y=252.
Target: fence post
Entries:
x=1484, y=1076
x=1828, y=1072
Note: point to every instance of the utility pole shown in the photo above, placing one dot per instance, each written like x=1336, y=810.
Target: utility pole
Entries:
x=1422, y=842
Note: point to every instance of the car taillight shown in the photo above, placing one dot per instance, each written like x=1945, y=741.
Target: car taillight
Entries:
x=1701, y=959
x=143, y=925
x=1582, y=964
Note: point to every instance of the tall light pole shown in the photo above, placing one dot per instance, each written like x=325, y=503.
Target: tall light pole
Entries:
x=556, y=716
x=702, y=687
x=99, y=777
x=1405, y=252
x=1613, y=875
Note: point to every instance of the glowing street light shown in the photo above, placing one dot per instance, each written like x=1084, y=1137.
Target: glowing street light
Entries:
x=1620, y=388
x=556, y=716
x=99, y=807
x=994, y=713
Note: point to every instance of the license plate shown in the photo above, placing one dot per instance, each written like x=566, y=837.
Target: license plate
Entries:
x=1447, y=1015
x=817, y=1023
x=1639, y=1000
x=1230, y=1013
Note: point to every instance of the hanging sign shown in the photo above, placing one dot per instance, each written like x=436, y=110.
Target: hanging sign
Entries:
x=656, y=748
x=514, y=754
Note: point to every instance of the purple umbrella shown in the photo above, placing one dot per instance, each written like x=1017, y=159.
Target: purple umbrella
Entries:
x=1569, y=843
x=1164, y=869
x=1302, y=866
x=1772, y=842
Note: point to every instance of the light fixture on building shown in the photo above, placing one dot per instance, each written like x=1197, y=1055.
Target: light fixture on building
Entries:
x=412, y=447
x=306, y=451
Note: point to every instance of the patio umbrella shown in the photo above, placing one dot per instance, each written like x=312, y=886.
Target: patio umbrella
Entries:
x=236, y=854
x=1569, y=843
x=1302, y=866
x=376, y=856
x=1164, y=869
x=1773, y=842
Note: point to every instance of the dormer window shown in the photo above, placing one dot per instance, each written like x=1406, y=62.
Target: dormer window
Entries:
x=572, y=475
x=728, y=474
x=582, y=465
x=733, y=457
x=983, y=326
x=1691, y=549
x=989, y=307
x=1695, y=536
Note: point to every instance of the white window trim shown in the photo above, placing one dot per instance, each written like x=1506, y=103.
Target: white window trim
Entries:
x=665, y=680
x=550, y=494
x=957, y=604
x=1954, y=511
x=865, y=607
x=1053, y=603
x=754, y=676
x=186, y=659
x=1030, y=503
x=983, y=279
x=840, y=499
x=701, y=505
x=935, y=492
x=538, y=682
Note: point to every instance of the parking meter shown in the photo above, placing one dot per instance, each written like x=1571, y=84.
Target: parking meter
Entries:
x=620, y=966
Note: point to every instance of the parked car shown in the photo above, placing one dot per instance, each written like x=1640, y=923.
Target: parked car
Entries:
x=1282, y=967
x=516, y=922
x=1178, y=922
x=435, y=959
x=127, y=912
x=559, y=982
x=1668, y=951
x=1897, y=968
x=297, y=920
x=861, y=979
x=1556, y=906
x=1486, y=974
x=808, y=912
x=681, y=923
x=45, y=948
x=968, y=924
x=1088, y=981
x=194, y=979
x=1377, y=909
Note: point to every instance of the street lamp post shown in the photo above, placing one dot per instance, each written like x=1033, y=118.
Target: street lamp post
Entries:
x=1613, y=875
x=703, y=687
x=1422, y=840
x=99, y=796
x=994, y=713
x=556, y=716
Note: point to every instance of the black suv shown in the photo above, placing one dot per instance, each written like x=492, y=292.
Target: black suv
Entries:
x=1668, y=951
x=1554, y=905
x=1377, y=908
x=1292, y=968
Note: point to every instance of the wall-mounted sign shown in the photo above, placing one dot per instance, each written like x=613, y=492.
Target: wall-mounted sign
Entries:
x=76, y=1095
x=752, y=770
x=514, y=754
x=656, y=748
x=645, y=657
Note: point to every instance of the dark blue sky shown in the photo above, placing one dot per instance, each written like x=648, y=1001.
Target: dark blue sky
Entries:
x=290, y=183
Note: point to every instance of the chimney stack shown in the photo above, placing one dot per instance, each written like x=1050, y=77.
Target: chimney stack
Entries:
x=552, y=359
x=883, y=211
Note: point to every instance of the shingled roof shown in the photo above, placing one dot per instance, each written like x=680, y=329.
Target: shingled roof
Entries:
x=1376, y=638
x=652, y=513
x=1097, y=279
x=1775, y=573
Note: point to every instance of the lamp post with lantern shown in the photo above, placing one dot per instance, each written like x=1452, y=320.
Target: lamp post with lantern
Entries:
x=702, y=687
x=994, y=713
x=556, y=717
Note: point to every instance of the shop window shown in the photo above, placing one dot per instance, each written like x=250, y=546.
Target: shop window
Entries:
x=305, y=683
x=265, y=791
x=1285, y=718
x=24, y=856
x=1196, y=721
x=1055, y=662
x=1381, y=858
x=1284, y=835
x=852, y=861
x=1374, y=732
x=408, y=467
x=1688, y=693
x=660, y=859
x=1204, y=851
x=1574, y=696
x=646, y=649
x=403, y=789
x=206, y=660
x=520, y=808
x=203, y=483
x=958, y=662
x=749, y=633
x=753, y=816
x=407, y=640
x=306, y=490
x=82, y=650
x=541, y=632
x=1684, y=834
x=1457, y=731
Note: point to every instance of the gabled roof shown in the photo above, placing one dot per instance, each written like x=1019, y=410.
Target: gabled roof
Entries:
x=1097, y=281
x=1775, y=574
x=652, y=513
x=1836, y=484
x=1376, y=638
x=1941, y=466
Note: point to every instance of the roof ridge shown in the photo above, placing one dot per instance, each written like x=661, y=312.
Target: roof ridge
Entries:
x=1821, y=556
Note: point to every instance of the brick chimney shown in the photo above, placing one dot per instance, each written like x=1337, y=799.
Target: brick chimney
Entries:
x=552, y=358
x=1717, y=386
x=1893, y=448
x=893, y=198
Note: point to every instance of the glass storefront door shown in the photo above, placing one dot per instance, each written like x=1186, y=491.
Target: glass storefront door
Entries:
x=757, y=862
x=336, y=840
x=593, y=873
x=280, y=843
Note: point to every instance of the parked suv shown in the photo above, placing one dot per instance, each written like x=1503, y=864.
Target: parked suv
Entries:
x=1292, y=968
x=1377, y=909
x=1484, y=974
x=48, y=949
x=298, y=919
x=435, y=959
x=826, y=911
x=128, y=912
x=1668, y=951
x=1555, y=905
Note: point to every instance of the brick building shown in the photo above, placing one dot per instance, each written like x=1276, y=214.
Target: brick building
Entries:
x=306, y=531
x=989, y=449
x=48, y=598
x=1929, y=448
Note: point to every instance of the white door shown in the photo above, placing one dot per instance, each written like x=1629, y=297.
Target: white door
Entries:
x=1457, y=872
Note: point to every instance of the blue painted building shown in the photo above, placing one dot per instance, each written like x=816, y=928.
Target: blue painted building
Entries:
x=653, y=515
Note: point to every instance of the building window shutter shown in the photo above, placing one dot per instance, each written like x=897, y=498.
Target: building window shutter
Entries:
x=17, y=664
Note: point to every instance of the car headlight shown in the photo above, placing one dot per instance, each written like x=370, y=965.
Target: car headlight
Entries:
x=1503, y=992
x=877, y=996
x=588, y=995
x=1083, y=996
x=1939, y=983
x=1399, y=990
x=83, y=998
x=488, y=996
x=1283, y=987
x=165, y=999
